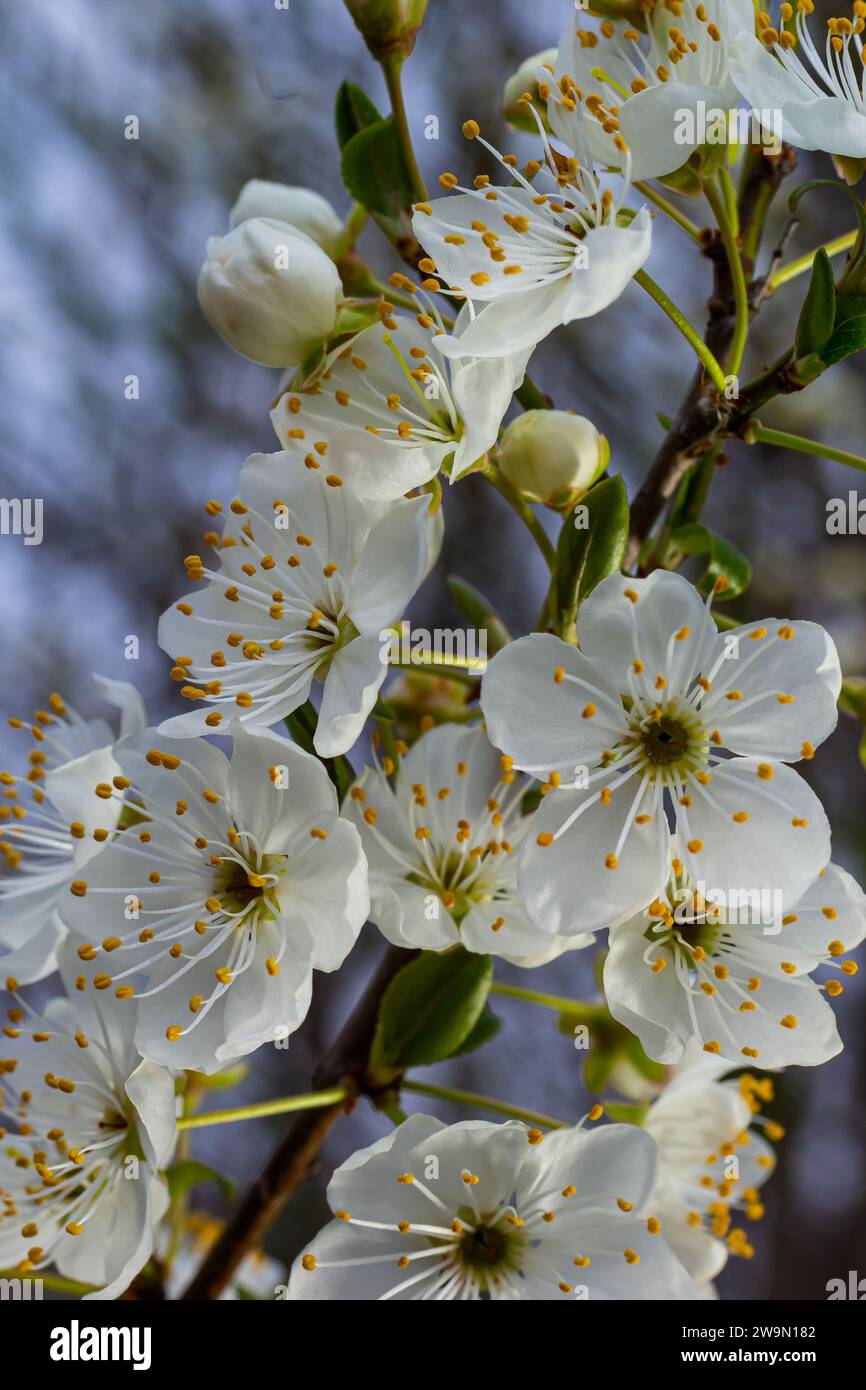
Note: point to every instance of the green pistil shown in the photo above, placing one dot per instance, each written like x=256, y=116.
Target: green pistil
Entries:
x=666, y=741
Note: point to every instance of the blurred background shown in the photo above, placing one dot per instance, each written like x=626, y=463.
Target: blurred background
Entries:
x=101, y=238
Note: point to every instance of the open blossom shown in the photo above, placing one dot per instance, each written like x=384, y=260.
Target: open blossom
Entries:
x=737, y=979
x=234, y=881
x=52, y=823
x=530, y=257
x=306, y=580
x=817, y=89
x=658, y=715
x=393, y=411
x=441, y=841
x=269, y=291
x=299, y=207
x=89, y=1128
x=712, y=1161
x=477, y=1211
x=619, y=84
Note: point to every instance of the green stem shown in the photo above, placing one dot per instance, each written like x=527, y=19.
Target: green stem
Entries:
x=523, y=510
x=688, y=330
x=804, y=263
x=180, y=1206
x=391, y=1107
x=560, y=1005
x=500, y=1107
x=672, y=212
x=392, y=67
x=719, y=200
x=55, y=1282
x=315, y=1100
x=449, y=666
x=759, y=434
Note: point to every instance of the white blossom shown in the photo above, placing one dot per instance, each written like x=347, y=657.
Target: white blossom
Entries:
x=712, y=1162
x=90, y=1128
x=653, y=90
x=52, y=823
x=306, y=580
x=477, y=1211
x=553, y=248
x=735, y=978
x=658, y=714
x=234, y=880
x=393, y=411
x=441, y=842
x=819, y=94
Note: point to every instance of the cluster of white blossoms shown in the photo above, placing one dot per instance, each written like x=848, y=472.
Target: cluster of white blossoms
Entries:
x=636, y=782
x=672, y=816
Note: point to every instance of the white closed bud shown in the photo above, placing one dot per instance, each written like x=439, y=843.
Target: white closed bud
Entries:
x=525, y=81
x=300, y=207
x=553, y=456
x=269, y=291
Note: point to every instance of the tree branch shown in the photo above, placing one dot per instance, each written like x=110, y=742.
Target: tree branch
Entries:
x=702, y=415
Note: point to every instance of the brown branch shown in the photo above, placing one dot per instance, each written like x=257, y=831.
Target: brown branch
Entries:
x=702, y=416
x=294, y=1157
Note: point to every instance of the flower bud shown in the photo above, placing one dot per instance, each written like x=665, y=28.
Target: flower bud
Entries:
x=388, y=26
x=525, y=80
x=300, y=207
x=553, y=456
x=269, y=291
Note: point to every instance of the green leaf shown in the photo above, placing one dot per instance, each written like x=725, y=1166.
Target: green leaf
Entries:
x=375, y=172
x=849, y=330
x=862, y=750
x=486, y=1028
x=726, y=561
x=591, y=546
x=430, y=1009
x=480, y=612
x=355, y=111
x=818, y=315
x=188, y=1172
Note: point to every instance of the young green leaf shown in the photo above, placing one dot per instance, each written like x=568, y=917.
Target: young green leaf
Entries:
x=726, y=561
x=818, y=315
x=430, y=1009
x=849, y=330
x=354, y=112
x=375, y=172
x=591, y=546
x=486, y=1028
